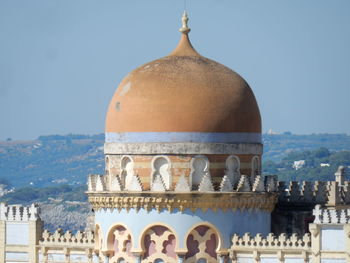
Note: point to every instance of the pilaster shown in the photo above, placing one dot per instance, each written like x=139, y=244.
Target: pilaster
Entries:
x=347, y=241
x=315, y=243
x=35, y=233
x=2, y=240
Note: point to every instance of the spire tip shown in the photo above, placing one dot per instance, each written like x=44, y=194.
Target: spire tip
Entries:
x=184, y=29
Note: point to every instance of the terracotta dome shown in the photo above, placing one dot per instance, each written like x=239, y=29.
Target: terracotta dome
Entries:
x=183, y=92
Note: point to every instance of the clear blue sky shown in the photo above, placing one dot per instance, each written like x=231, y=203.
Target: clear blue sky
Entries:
x=61, y=61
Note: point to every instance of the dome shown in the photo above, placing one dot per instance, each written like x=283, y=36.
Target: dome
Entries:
x=183, y=93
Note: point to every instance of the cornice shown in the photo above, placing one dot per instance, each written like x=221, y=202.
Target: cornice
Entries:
x=181, y=201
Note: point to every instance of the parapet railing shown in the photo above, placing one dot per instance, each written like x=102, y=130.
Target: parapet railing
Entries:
x=60, y=238
x=279, y=248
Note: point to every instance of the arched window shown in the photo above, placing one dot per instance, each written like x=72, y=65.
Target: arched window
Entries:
x=202, y=243
x=120, y=243
x=127, y=171
x=200, y=166
x=159, y=245
x=233, y=169
x=161, y=168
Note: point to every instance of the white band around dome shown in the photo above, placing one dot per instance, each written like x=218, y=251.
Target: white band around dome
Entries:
x=173, y=137
x=183, y=148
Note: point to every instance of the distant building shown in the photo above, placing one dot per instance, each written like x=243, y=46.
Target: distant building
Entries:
x=298, y=164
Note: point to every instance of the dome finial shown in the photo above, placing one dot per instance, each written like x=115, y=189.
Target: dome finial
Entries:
x=184, y=29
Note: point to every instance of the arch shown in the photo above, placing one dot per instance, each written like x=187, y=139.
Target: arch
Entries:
x=159, y=241
x=161, y=166
x=233, y=169
x=126, y=170
x=199, y=167
x=203, y=232
x=119, y=242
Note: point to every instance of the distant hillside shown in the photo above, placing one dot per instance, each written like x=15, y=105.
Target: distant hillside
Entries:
x=51, y=160
x=315, y=165
x=276, y=147
x=52, y=170
x=56, y=159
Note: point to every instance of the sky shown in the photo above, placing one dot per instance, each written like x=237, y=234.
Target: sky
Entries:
x=61, y=61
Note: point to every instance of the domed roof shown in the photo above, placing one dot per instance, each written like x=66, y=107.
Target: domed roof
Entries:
x=183, y=92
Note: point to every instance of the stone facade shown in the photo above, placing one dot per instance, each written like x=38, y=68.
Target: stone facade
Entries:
x=24, y=240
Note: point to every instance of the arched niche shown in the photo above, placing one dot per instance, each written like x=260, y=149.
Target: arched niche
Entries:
x=119, y=243
x=161, y=168
x=199, y=167
x=232, y=170
x=159, y=244
x=202, y=242
x=107, y=165
x=126, y=171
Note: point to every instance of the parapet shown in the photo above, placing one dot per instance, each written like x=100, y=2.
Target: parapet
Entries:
x=330, y=193
x=271, y=242
x=60, y=238
x=19, y=212
x=275, y=248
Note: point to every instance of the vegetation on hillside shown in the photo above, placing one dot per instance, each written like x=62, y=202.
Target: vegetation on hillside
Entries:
x=52, y=170
x=68, y=159
x=320, y=164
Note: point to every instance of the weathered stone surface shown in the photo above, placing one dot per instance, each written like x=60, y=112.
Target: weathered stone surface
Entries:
x=183, y=148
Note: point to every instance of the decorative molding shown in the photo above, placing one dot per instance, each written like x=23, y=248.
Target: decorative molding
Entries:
x=158, y=184
x=100, y=184
x=225, y=185
x=116, y=184
x=135, y=184
x=259, y=185
x=243, y=184
x=182, y=185
x=176, y=200
x=206, y=185
x=183, y=148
